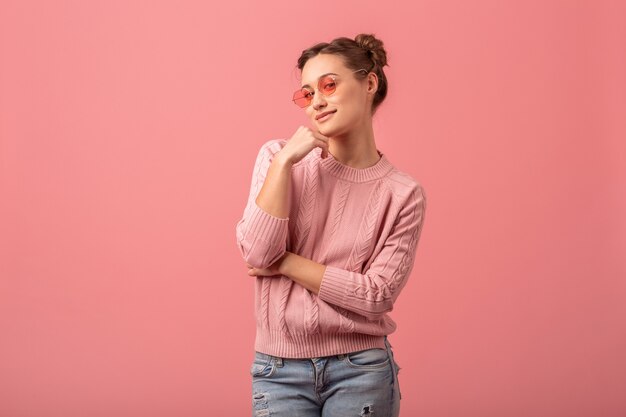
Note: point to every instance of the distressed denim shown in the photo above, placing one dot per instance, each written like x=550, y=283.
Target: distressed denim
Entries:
x=363, y=383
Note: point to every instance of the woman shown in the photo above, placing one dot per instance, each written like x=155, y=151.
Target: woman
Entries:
x=330, y=232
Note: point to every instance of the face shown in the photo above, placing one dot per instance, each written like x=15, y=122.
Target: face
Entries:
x=351, y=100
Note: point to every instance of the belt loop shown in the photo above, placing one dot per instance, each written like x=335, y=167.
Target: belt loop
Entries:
x=279, y=361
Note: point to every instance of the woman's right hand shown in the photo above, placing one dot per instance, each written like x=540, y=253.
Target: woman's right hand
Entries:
x=303, y=142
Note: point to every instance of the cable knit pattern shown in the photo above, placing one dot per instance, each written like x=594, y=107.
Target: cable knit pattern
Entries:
x=363, y=242
x=265, y=301
x=363, y=224
x=343, y=190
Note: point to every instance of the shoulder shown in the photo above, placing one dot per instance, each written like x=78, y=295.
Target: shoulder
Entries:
x=272, y=146
x=405, y=188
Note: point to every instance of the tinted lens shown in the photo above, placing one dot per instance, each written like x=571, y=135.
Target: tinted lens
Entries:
x=302, y=97
x=327, y=85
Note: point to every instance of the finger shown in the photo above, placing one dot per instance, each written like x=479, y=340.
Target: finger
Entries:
x=324, y=147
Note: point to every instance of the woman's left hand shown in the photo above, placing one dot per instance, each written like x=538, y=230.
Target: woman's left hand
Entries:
x=271, y=270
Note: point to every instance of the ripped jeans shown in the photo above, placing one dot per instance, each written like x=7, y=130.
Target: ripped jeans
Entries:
x=363, y=383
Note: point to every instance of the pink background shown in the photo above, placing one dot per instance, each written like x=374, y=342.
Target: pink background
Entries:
x=128, y=131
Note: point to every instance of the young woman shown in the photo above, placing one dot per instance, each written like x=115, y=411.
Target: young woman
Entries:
x=330, y=232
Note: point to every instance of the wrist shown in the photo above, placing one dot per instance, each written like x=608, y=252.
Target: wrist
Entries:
x=283, y=265
x=283, y=160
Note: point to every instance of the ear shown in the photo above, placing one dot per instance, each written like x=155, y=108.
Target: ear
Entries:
x=372, y=83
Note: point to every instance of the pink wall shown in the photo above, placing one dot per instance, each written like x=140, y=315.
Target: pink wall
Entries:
x=128, y=131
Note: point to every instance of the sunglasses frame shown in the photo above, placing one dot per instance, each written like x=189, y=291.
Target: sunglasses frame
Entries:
x=333, y=76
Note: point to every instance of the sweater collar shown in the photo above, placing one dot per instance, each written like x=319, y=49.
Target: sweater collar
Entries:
x=338, y=169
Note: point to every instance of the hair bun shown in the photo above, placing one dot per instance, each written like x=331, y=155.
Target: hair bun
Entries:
x=374, y=46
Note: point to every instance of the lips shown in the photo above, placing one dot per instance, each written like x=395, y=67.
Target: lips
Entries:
x=319, y=116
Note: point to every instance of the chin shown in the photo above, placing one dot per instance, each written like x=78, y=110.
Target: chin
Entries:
x=325, y=131
x=327, y=127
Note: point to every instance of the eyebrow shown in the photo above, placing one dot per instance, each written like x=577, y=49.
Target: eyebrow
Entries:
x=328, y=73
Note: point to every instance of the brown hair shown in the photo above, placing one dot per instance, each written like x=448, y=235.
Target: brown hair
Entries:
x=364, y=51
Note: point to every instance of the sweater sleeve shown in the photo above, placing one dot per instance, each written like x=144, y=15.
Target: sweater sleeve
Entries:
x=261, y=237
x=374, y=292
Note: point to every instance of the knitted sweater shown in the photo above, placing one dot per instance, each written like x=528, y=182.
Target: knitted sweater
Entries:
x=363, y=224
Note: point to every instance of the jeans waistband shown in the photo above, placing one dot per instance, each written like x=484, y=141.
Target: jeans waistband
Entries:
x=279, y=360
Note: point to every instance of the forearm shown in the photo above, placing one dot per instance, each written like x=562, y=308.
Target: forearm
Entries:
x=274, y=194
x=304, y=271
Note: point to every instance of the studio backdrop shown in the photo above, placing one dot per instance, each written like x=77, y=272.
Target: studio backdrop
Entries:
x=128, y=135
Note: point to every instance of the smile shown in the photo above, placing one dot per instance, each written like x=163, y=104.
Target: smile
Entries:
x=321, y=119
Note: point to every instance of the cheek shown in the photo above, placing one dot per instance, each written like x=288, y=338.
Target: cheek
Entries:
x=351, y=102
x=349, y=110
x=344, y=105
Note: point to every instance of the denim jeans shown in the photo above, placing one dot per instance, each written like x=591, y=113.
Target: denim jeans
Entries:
x=358, y=384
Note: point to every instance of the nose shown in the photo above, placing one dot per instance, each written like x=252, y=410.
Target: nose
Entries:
x=318, y=101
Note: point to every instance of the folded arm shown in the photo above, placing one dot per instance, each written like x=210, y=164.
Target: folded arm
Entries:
x=374, y=292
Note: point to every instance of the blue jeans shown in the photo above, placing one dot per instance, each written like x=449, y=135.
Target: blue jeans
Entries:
x=359, y=383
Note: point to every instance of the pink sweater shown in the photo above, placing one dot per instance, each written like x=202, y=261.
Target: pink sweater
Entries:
x=363, y=224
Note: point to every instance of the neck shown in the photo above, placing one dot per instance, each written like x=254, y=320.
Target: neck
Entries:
x=356, y=148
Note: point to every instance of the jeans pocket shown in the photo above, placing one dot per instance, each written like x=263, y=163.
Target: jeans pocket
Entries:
x=263, y=365
x=374, y=358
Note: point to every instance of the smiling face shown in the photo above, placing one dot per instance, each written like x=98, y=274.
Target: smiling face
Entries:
x=351, y=100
